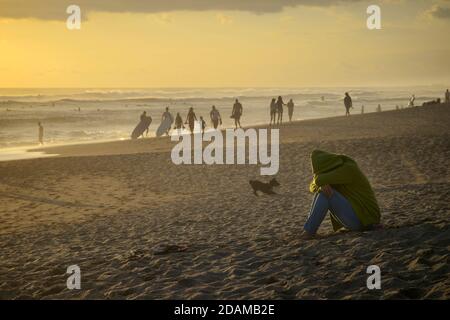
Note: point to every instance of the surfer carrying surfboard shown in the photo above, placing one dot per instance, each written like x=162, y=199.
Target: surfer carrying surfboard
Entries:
x=215, y=117
x=144, y=118
x=142, y=126
x=167, y=116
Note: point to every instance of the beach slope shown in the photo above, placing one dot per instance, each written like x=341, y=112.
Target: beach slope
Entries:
x=140, y=227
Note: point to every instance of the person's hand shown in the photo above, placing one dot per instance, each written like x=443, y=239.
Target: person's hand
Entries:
x=327, y=190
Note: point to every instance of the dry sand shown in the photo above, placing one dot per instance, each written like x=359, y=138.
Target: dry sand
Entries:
x=140, y=227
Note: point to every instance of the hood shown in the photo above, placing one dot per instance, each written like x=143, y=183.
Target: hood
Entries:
x=322, y=161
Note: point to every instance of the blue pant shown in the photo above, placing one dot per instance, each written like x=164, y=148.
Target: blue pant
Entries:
x=338, y=205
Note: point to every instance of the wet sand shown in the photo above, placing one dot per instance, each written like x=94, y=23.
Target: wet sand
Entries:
x=141, y=227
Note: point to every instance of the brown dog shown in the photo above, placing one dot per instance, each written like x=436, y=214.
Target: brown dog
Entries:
x=266, y=188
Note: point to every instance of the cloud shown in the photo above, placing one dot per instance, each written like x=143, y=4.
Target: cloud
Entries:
x=56, y=9
x=439, y=12
x=164, y=18
x=224, y=19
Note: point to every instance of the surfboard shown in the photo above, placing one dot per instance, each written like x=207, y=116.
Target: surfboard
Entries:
x=141, y=127
x=163, y=127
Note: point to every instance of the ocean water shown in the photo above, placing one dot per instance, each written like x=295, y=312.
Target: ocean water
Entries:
x=89, y=115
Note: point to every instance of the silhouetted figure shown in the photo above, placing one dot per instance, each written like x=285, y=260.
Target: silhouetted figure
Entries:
x=237, y=113
x=280, y=105
x=190, y=119
x=41, y=133
x=362, y=109
x=322, y=98
x=447, y=96
x=144, y=117
x=397, y=107
x=411, y=101
x=348, y=104
x=178, y=122
x=215, y=117
x=290, y=106
x=167, y=115
x=273, y=111
x=379, y=108
x=203, y=125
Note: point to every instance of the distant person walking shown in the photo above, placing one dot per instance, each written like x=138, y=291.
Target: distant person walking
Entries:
x=178, y=122
x=144, y=118
x=203, y=125
x=41, y=133
x=190, y=119
x=167, y=115
x=215, y=117
x=411, y=101
x=348, y=103
x=447, y=96
x=280, y=105
x=237, y=113
x=273, y=111
x=290, y=106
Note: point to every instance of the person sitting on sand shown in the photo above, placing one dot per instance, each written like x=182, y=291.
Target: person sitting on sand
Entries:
x=178, y=122
x=348, y=104
x=215, y=117
x=237, y=113
x=190, y=119
x=273, y=111
x=290, y=106
x=341, y=188
x=41, y=133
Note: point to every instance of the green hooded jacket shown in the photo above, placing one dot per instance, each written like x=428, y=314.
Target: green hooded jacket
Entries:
x=344, y=175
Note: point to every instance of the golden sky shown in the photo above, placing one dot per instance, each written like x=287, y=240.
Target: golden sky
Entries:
x=230, y=43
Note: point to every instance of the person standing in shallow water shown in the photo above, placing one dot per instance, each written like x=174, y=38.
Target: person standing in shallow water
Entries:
x=340, y=187
x=190, y=119
x=348, y=103
x=237, y=113
x=290, y=106
x=40, y=133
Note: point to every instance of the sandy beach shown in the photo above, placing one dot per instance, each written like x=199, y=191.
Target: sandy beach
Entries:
x=140, y=227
